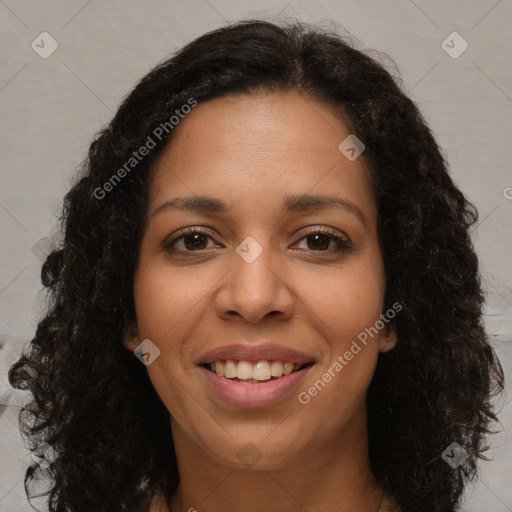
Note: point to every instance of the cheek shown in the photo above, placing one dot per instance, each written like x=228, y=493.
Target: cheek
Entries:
x=165, y=299
x=349, y=306
x=165, y=302
x=348, y=301
x=333, y=397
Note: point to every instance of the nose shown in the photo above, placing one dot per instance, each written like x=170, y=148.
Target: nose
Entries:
x=254, y=290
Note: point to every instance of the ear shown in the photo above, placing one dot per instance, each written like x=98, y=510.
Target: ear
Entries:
x=131, y=337
x=388, y=337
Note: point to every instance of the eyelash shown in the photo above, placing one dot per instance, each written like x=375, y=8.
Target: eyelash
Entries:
x=342, y=244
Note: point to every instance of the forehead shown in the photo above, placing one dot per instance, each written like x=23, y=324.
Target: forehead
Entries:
x=276, y=122
x=256, y=148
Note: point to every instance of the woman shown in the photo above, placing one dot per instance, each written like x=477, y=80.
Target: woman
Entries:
x=268, y=226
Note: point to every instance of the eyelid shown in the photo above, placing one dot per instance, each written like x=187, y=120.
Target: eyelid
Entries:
x=324, y=230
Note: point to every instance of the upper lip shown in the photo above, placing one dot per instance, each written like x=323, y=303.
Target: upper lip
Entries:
x=254, y=353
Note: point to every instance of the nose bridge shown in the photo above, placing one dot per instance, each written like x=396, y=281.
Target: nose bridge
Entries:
x=254, y=267
x=255, y=288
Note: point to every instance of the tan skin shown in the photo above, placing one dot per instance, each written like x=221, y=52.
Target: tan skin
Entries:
x=303, y=292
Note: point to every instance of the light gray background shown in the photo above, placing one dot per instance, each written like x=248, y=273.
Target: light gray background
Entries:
x=51, y=108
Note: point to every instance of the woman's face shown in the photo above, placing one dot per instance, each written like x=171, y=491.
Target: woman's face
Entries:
x=286, y=269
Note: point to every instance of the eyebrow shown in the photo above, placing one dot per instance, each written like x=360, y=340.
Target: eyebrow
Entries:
x=291, y=204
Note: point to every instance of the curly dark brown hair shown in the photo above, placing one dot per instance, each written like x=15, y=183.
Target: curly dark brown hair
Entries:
x=93, y=401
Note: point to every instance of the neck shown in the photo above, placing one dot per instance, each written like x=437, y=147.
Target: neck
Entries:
x=333, y=474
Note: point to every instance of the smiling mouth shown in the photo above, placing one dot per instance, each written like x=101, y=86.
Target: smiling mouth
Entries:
x=253, y=373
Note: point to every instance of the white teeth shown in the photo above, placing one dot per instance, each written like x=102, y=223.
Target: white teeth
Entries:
x=230, y=369
x=261, y=371
x=244, y=370
x=276, y=369
x=288, y=368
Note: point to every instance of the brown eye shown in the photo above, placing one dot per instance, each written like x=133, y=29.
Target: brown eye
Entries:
x=194, y=241
x=321, y=239
x=191, y=241
x=318, y=241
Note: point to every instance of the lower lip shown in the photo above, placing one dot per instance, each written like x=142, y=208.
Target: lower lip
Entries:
x=251, y=396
